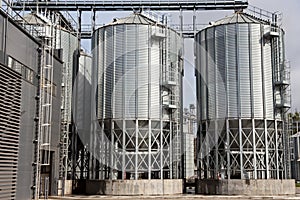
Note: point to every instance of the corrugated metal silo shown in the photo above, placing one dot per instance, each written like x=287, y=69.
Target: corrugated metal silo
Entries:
x=139, y=82
x=82, y=97
x=241, y=90
x=68, y=43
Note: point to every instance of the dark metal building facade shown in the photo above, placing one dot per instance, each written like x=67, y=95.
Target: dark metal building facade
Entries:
x=20, y=51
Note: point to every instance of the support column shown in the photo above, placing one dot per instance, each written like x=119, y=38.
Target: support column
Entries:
x=207, y=151
x=241, y=149
x=227, y=148
x=161, y=150
x=112, y=143
x=123, y=150
x=276, y=150
x=149, y=105
x=181, y=22
x=216, y=150
x=93, y=20
x=136, y=149
x=194, y=23
x=267, y=149
x=103, y=159
x=149, y=150
x=254, y=149
x=171, y=153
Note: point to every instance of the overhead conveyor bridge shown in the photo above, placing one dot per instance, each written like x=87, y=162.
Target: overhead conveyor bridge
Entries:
x=71, y=5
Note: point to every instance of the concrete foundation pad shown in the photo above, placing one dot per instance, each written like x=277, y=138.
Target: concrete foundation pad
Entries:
x=67, y=187
x=134, y=187
x=246, y=187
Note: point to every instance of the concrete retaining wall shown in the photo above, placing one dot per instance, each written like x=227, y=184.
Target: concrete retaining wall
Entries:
x=134, y=187
x=246, y=187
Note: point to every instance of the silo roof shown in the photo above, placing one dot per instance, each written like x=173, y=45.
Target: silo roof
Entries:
x=135, y=18
x=239, y=17
x=34, y=19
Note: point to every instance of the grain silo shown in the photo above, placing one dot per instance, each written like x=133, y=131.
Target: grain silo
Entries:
x=243, y=93
x=139, y=103
x=81, y=114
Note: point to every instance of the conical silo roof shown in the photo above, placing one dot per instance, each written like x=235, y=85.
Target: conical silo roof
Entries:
x=239, y=17
x=135, y=18
x=34, y=19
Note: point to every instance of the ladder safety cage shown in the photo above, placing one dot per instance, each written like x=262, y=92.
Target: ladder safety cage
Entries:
x=46, y=89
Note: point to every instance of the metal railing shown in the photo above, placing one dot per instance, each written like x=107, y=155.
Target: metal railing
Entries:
x=87, y=5
x=273, y=17
x=6, y=7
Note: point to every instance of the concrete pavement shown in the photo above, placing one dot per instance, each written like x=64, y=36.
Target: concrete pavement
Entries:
x=174, y=197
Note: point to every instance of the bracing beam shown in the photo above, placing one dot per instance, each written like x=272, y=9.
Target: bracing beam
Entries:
x=73, y=5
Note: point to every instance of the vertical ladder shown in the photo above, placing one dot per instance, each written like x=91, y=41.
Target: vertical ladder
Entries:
x=282, y=83
x=45, y=102
x=64, y=150
x=66, y=118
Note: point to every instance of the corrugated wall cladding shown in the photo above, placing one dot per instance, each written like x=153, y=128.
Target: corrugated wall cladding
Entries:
x=129, y=70
x=256, y=70
x=82, y=90
x=220, y=72
x=236, y=72
x=69, y=43
x=10, y=111
x=245, y=74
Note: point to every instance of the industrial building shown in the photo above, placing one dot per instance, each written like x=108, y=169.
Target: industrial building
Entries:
x=243, y=94
x=22, y=59
x=112, y=121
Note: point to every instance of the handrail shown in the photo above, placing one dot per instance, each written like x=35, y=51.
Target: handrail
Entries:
x=87, y=5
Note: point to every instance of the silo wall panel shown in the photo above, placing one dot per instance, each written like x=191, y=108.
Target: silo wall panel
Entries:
x=119, y=74
x=83, y=92
x=98, y=55
x=69, y=43
x=236, y=72
x=211, y=72
x=268, y=78
x=109, y=71
x=232, y=85
x=244, y=70
x=203, y=74
x=142, y=71
x=130, y=79
x=130, y=71
x=155, y=75
x=256, y=52
x=221, y=93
